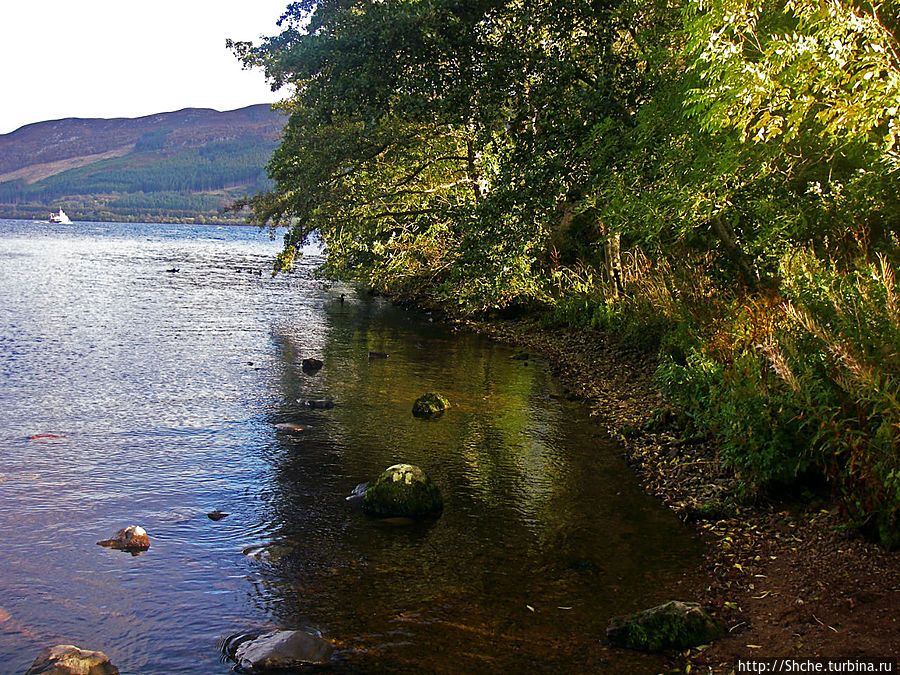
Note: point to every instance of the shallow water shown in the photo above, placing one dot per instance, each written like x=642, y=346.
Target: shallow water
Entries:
x=165, y=387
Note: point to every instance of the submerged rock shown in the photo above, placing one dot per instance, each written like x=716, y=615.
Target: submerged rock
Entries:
x=132, y=538
x=70, y=660
x=403, y=491
x=282, y=649
x=291, y=428
x=674, y=625
x=311, y=365
x=269, y=553
x=429, y=404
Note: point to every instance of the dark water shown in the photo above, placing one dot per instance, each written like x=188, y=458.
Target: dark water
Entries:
x=166, y=388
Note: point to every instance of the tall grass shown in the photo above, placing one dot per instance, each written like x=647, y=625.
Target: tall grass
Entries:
x=798, y=383
x=840, y=357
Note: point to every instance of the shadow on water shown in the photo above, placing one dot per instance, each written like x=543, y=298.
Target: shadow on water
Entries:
x=544, y=533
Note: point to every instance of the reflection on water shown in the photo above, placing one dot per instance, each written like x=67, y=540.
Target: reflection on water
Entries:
x=168, y=386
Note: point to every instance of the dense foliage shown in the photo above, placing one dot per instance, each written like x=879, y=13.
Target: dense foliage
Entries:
x=715, y=178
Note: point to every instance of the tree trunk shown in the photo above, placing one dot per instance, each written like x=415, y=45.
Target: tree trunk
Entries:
x=723, y=230
x=612, y=259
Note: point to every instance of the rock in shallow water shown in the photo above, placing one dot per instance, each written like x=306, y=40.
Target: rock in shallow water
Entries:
x=310, y=366
x=674, y=625
x=319, y=403
x=358, y=493
x=132, y=538
x=291, y=428
x=70, y=660
x=430, y=404
x=404, y=491
x=282, y=649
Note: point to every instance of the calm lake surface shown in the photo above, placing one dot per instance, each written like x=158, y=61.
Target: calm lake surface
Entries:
x=165, y=388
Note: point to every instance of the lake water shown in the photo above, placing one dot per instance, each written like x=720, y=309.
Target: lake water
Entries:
x=164, y=389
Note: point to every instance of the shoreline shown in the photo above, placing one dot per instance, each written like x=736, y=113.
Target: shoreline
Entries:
x=788, y=576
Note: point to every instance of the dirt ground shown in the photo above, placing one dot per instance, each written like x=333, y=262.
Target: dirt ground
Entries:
x=788, y=577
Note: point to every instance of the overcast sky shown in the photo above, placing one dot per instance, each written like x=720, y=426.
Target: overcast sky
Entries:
x=117, y=58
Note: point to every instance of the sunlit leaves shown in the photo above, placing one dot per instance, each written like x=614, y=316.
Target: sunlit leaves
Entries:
x=779, y=70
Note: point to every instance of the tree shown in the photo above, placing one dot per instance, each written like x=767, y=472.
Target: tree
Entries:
x=444, y=145
x=810, y=89
x=377, y=156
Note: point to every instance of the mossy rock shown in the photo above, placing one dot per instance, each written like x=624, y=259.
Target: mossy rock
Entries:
x=430, y=404
x=714, y=509
x=404, y=491
x=672, y=626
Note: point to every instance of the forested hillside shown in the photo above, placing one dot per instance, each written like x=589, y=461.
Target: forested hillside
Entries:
x=180, y=166
x=714, y=180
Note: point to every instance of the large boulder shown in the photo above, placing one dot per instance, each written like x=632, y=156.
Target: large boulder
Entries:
x=70, y=660
x=671, y=626
x=132, y=538
x=282, y=649
x=403, y=491
x=430, y=404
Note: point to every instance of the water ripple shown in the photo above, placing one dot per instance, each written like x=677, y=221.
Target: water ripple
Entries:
x=163, y=391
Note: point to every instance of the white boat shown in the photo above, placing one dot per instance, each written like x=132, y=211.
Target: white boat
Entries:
x=60, y=218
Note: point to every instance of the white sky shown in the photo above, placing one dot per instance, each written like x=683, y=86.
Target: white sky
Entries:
x=120, y=58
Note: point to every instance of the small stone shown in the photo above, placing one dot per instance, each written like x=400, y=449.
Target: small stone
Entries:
x=358, y=493
x=132, y=538
x=291, y=428
x=282, y=649
x=70, y=660
x=430, y=404
x=319, y=403
x=311, y=365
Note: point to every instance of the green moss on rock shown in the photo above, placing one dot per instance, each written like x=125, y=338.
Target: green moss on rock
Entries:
x=714, y=509
x=674, y=625
x=403, y=490
x=430, y=404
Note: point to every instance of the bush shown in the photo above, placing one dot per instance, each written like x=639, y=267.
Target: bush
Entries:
x=805, y=382
x=840, y=358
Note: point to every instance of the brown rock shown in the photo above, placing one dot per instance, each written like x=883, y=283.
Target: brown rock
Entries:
x=70, y=660
x=132, y=538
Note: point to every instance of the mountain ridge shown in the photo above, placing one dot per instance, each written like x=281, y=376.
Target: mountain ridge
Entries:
x=180, y=165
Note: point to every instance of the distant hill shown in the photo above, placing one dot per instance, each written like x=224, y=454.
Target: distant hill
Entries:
x=179, y=166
